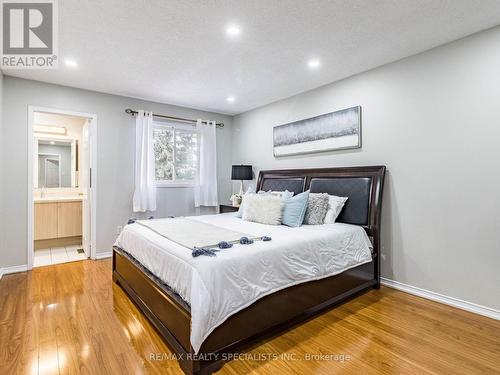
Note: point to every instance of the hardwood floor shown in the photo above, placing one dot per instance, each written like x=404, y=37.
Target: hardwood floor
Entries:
x=71, y=318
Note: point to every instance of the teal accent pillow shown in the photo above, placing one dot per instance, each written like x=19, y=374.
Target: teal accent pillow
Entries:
x=294, y=209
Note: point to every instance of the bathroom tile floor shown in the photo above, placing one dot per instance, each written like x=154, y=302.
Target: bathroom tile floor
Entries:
x=55, y=255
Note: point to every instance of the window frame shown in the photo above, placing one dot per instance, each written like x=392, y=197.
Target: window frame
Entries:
x=185, y=128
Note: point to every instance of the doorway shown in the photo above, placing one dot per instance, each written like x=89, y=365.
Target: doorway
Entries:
x=52, y=170
x=61, y=193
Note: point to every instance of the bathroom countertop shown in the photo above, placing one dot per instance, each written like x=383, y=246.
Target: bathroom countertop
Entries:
x=77, y=198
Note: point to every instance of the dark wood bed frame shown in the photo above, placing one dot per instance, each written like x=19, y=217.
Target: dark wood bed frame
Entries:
x=274, y=313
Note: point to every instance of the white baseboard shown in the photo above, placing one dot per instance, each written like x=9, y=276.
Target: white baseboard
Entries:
x=451, y=301
x=13, y=269
x=24, y=267
x=107, y=254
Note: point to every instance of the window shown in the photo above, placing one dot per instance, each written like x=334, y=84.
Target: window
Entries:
x=176, y=155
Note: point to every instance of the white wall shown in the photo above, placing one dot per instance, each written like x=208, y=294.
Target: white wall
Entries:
x=115, y=159
x=434, y=121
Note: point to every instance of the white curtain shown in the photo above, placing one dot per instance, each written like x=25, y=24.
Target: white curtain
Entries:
x=205, y=191
x=145, y=190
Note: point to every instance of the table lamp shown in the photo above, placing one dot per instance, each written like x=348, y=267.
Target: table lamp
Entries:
x=241, y=172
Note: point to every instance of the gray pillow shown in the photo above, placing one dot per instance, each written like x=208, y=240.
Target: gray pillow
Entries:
x=317, y=207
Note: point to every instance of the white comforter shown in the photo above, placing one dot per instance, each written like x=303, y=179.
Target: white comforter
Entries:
x=218, y=287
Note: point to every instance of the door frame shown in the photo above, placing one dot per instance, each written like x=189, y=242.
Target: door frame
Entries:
x=93, y=176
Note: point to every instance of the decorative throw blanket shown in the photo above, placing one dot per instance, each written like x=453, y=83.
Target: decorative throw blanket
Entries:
x=217, y=288
x=193, y=234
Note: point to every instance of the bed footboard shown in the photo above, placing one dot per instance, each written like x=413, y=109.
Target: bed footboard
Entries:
x=171, y=317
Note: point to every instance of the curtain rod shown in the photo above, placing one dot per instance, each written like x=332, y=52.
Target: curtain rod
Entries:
x=133, y=113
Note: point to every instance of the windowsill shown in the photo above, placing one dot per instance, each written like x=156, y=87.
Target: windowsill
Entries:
x=175, y=185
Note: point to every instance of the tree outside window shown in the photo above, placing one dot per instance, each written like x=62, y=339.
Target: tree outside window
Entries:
x=176, y=155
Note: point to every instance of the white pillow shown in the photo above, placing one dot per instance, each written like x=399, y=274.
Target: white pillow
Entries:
x=286, y=193
x=335, y=205
x=263, y=208
x=249, y=191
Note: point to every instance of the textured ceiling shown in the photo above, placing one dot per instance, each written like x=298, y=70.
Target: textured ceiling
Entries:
x=177, y=51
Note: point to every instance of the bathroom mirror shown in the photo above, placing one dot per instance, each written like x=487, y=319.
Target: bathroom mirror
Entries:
x=56, y=163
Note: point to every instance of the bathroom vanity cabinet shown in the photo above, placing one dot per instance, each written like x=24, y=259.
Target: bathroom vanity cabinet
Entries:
x=59, y=222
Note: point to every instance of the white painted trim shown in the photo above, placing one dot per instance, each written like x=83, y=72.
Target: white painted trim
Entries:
x=107, y=254
x=93, y=180
x=451, y=301
x=13, y=269
x=30, y=252
x=93, y=165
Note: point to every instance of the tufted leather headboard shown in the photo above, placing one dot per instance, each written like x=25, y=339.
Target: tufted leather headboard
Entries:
x=295, y=184
x=357, y=189
x=362, y=185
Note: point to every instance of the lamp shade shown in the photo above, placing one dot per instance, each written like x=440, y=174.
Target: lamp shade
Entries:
x=241, y=172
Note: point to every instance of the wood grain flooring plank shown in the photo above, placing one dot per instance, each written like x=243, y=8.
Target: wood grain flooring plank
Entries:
x=72, y=319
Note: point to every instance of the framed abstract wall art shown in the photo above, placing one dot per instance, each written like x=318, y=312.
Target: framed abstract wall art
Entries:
x=339, y=130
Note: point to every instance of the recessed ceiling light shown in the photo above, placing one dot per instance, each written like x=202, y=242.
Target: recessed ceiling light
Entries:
x=231, y=99
x=70, y=63
x=52, y=142
x=233, y=30
x=314, y=64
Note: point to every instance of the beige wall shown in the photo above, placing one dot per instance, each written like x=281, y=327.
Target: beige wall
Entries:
x=434, y=121
x=115, y=160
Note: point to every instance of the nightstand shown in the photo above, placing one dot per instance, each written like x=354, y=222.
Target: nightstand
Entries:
x=227, y=208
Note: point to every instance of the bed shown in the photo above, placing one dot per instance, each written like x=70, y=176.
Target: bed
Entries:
x=203, y=327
